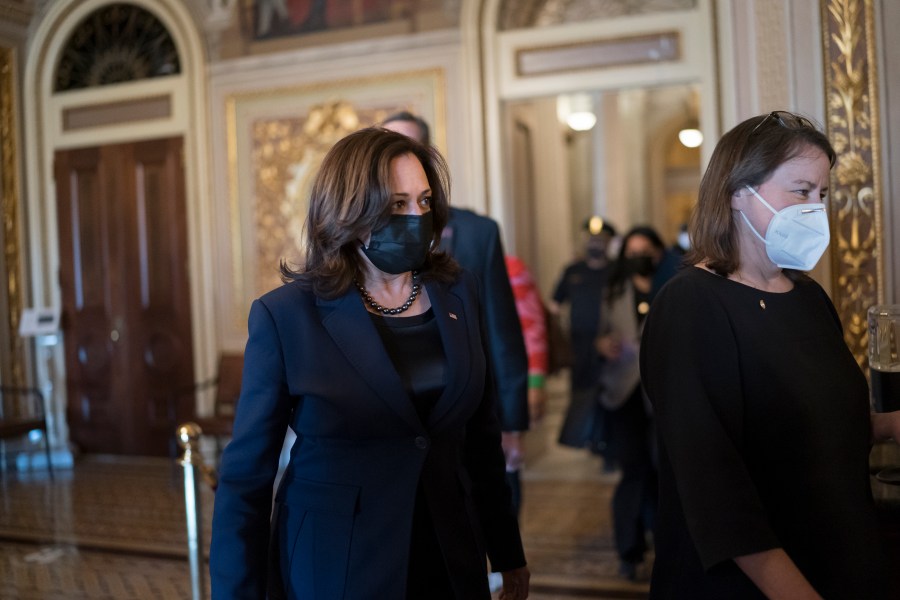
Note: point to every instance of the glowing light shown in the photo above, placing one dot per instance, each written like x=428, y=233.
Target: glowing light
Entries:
x=581, y=121
x=690, y=137
x=595, y=225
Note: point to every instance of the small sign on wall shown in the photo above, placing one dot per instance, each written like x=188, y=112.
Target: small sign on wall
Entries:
x=39, y=321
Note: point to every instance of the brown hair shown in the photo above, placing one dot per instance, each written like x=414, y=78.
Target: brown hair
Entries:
x=351, y=197
x=746, y=155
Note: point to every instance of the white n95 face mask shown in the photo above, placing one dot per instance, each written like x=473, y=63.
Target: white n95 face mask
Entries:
x=797, y=235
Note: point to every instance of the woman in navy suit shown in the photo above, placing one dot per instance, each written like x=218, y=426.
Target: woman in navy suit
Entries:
x=373, y=355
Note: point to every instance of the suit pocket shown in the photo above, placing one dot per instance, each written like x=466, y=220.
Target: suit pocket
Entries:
x=313, y=528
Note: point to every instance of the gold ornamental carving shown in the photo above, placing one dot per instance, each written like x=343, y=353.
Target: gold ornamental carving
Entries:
x=851, y=81
x=9, y=213
x=287, y=154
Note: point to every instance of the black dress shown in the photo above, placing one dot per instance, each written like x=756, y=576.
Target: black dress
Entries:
x=764, y=426
x=585, y=423
x=583, y=287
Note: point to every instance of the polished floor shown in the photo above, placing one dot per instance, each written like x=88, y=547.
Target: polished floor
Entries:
x=114, y=528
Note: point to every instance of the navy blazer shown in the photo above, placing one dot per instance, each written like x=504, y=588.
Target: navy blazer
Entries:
x=342, y=517
x=474, y=241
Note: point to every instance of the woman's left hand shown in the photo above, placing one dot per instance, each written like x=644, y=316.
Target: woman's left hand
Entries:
x=886, y=426
x=515, y=584
x=537, y=399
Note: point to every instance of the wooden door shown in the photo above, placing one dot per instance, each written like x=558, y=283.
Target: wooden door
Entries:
x=125, y=295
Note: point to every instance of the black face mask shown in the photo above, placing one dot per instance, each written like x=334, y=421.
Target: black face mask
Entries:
x=402, y=244
x=596, y=252
x=640, y=265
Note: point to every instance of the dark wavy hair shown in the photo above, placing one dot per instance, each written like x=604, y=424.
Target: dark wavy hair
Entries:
x=351, y=197
x=746, y=155
x=618, y=272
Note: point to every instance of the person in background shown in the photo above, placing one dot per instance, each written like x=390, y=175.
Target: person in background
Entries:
x=581, y=285
x=474, y=241
x=375, y=356
x=532, y=317
x=530, y=309
x=762, y=411
x=633, y=284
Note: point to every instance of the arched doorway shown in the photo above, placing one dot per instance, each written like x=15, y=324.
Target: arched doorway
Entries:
x=118, y=161
x=649, y=68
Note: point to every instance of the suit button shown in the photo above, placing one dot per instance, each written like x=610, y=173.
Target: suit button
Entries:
x=421, y=443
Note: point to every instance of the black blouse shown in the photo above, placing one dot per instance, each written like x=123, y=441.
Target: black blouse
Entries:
x=414, y=345
x=764, y=426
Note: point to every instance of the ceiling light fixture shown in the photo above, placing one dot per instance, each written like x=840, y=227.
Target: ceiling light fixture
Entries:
x=581, y=121
x=576, y=111
x=691, y=136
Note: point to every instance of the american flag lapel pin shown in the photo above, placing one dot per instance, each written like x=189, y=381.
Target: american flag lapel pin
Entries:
x=453, y=316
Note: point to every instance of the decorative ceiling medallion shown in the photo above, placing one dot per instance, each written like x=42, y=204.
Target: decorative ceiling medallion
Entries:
x=116, y=44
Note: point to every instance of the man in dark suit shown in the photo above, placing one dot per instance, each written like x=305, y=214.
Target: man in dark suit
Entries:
x=474, y=241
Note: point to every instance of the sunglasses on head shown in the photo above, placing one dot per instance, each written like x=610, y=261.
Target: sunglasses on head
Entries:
x=785, y=119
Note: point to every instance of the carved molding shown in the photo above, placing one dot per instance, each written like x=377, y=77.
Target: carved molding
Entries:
x=9, y=214
x=852, y=123
x=516, y=14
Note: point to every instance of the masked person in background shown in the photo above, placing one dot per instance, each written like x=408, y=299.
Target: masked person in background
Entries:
x=581, y=287
x=642, y=267
x=374, y=355
x=762, y=411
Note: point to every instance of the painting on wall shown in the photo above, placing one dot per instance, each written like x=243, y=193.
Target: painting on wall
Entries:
x=277, y=140
x=276, y=18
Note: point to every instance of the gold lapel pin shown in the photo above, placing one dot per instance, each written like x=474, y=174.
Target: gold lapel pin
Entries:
x=762, y=304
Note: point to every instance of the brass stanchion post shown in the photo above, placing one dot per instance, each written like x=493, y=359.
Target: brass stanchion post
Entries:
x=188, y=436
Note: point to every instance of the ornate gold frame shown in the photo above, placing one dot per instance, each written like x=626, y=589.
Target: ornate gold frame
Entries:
x=9, y=213
x=852, y=121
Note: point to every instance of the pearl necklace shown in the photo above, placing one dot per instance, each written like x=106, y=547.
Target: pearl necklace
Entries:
x=367, y=297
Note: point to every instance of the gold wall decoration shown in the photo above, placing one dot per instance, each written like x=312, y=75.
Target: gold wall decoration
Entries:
x=9, y=213
x=851, y=81
x=287, y=154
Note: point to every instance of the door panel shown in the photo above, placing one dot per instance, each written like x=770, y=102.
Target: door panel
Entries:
x=162, y=307
x=126, y=303
x=89, y=295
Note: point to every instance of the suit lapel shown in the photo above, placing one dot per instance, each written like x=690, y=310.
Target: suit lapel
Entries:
x=350, y=326
x=451, y=317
